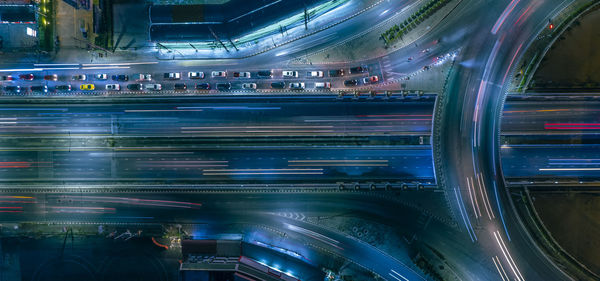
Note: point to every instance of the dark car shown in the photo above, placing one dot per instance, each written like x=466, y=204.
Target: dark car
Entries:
x=121, y=77
x=51, y=77
x=41, y=88
x=278, y=85
x=135, y=87
x=66, y=88
x=265, y=74
x=336, y=73
x=202, y=86
x=351, y=82
x=180, y=87
x=7, y=78
x=28, y=77
x=223, y=86
x=358, y=69
x=14, y=89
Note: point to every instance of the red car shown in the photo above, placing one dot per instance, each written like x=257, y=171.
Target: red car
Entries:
x=51, y=77
x=26, y=76
x=7, y=78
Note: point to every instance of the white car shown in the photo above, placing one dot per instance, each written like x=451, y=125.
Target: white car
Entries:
x=80, y=77
x=314, y=74
x=297, y=86
x=172, y=75
x=153, y=87
x=113, y=87
x=102, y=76
x=219, y=74
x=290, y=74
x=323, y=85
x=142, y=77
x=251, y=86
x=196, y=75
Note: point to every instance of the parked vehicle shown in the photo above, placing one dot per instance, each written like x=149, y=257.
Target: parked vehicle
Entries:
x=203, y=86
x=223, y=86
x=180, y=87
x=87, y=87
x=241, y=74
x=371, y=80
x=358, y=69
x=135, y=87
x=249, y=86
x=278, y=85
x=297, y=86
x=172, y=75
x=265, y=74
x=314, y=74
x=121, y=77
x=153, y=87
x=142, y=77
x=219, y=74
x=290, y=74
x=323, y=85
x=351, y=83
x=101, y=76
x=113, y=87
x=196, y=75
x=336, y=73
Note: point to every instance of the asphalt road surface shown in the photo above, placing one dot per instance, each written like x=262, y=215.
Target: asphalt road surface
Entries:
x=229, y=139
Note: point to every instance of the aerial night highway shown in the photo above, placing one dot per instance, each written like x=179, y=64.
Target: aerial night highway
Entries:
x=291, y=139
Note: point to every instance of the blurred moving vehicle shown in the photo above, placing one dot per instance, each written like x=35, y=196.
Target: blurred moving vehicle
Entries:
x=65, y=88
x=13, y=89
x=27, y=77
x=41, y=88
x=51, y=77
x=79, y=77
